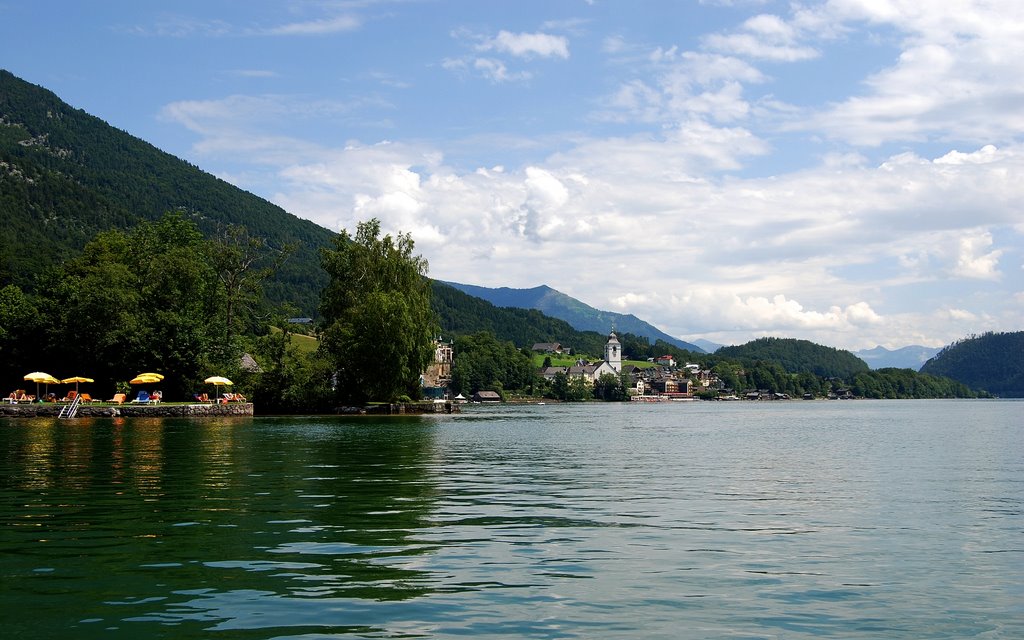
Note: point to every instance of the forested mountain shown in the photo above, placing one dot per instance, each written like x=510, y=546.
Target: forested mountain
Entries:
x=66, y=175
x=798, y=356
x=581, y=316
x=992, y=361
x=464, y=314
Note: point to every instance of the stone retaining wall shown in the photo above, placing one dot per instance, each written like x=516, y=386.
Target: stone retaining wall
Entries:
x=129, y=410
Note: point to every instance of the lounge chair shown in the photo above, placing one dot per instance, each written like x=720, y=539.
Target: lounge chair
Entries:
x=237, y=397
x=203, y=398
x=85, y=397
x=70, y=397
x=156, y=396
x=119, y=398
x=142, y=398
x=13, y=398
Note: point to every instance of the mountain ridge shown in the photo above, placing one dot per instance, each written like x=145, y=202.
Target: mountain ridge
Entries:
x=66, y=175
x=909, y=357
x=578, y=314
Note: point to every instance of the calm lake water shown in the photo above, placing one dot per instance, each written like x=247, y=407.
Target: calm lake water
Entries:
x=864, y=519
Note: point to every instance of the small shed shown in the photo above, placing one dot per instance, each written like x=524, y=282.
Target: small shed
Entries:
x=486, y=396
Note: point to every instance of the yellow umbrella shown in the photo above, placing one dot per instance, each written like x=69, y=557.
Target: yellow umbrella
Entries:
x=145, y=378
x=76, y=380
x=39, y=376
x=218, y=381
x=158, y=376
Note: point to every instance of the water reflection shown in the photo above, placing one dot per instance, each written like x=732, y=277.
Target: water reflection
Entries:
x=541, y=522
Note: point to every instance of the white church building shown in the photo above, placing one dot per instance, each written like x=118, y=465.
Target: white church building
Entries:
x=612, y=362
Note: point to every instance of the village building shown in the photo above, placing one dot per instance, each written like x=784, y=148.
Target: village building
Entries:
x=438, y=376
x=547, y=347
x=590, y=372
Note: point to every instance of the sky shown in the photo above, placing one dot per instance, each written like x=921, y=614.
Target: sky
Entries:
x=849, y=172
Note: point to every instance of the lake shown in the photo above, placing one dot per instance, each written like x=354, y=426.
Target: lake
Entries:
x=848, y=519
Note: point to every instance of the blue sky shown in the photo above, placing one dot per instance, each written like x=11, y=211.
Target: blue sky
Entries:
x=847, y=171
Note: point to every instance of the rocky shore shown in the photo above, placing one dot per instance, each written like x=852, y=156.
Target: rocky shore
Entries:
x=159, y=410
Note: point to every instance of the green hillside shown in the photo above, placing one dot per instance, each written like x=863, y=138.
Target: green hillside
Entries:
x=798, y=356
x=992, y=361
x=463, y=314
x=66, y=175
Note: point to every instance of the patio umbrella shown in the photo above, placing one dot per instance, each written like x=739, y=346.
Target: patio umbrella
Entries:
x=76, y=380
x=39, y=376
x=218, y=381
x=158, y=376
x=146, y=378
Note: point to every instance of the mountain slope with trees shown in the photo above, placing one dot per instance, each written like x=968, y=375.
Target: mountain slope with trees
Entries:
x=464, y=314
x=66, y=175
x=798, y=356
x=992, y=361
x=581, y=316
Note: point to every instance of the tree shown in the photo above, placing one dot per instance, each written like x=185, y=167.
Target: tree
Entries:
x=243, y=262
x=291, y=381
x=146, y=300
x=485, y=363
x=379, y=326
x=560, y=386
x=610, y=388
x=21, y=335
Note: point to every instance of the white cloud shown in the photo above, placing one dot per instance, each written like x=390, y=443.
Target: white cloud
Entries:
x=958, y=75
x=685, y=85
x=496, y=71
x=527, y=44
x=323, y=26
x=972, y=262
x=765, y=37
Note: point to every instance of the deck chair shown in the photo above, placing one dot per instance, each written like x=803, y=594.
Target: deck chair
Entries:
x=12, y=399
x=237, y=397
x=119, y=398
x=156, y=396
x=70, y=397
x=142, y=398
x=85, y=397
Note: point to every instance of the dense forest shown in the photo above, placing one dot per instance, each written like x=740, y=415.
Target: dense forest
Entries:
x=798, y=356
x=992, y=361
x=66, y=175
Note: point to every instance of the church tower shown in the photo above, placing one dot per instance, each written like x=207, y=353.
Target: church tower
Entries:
x=613, y=352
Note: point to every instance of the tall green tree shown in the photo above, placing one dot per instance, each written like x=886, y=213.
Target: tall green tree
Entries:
x=378, y=324
x=146, y=300
x=243, y=262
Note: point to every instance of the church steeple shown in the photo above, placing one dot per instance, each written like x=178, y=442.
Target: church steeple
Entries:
x=613, y=352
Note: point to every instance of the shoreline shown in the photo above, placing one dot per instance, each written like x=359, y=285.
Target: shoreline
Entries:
x=158, y=410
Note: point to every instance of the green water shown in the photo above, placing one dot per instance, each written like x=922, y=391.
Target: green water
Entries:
x=699, y=520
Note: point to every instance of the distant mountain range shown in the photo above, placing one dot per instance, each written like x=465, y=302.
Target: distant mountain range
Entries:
x=912, y=357
x=578, y=314
x=707, y=345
